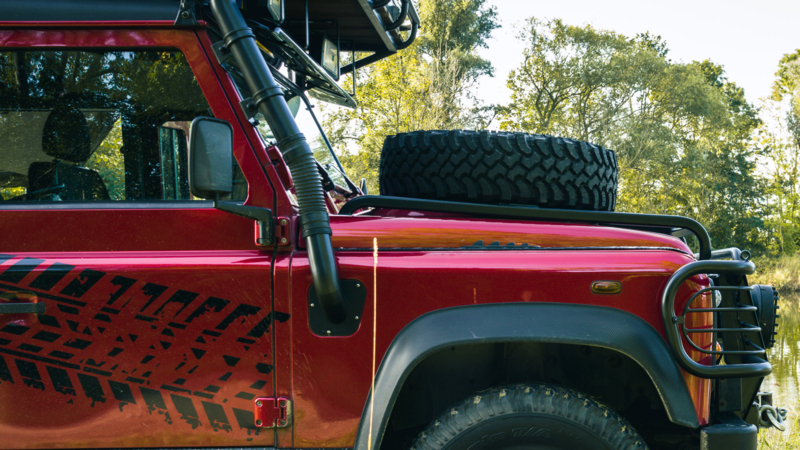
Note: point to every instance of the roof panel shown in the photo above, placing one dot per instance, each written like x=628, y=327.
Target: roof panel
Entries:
x=87, y=10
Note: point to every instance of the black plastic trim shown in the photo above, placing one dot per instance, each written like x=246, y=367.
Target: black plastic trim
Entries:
x=525, y=322
x=532, y=213
x=318, y=322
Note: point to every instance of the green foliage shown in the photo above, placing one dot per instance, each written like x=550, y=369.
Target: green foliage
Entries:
x=682, y=132
x=781, y=144
x=426, y=86
x=108, y=161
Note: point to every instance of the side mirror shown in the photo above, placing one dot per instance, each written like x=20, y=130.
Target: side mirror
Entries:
x=210, y=158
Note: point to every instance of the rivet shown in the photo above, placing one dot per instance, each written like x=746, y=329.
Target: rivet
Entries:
x=329, y=331
x=284, y=240
x=358, y=284
x=258, y=422
x=283, y=403
x=185, y=14
x=357, y=317
x=284, y=222
x=312, y=305
x=282, y=422
x=258, y=403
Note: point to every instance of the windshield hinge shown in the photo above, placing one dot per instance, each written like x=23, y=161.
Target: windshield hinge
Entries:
x=186, y=15
x=249, y=108
x=221, y=52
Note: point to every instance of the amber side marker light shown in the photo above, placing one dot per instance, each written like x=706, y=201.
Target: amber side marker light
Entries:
x=606, y=287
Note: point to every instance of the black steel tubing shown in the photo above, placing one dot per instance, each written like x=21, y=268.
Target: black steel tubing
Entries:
x=528, y=213
x=401, y=18
x=411, y=36
x=268, y=96
x=758, y=368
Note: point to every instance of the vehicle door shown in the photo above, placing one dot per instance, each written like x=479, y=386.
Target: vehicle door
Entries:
x=131, y=313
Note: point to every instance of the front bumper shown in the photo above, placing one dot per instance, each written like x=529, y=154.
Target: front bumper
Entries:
x=732, y=433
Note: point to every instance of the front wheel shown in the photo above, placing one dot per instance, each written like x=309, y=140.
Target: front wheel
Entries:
x=530, y=417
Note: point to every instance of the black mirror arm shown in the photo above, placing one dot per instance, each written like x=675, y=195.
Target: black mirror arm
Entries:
x=262, y=216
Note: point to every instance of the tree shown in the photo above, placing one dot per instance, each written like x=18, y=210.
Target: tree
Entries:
x=682, y=132
x=781, y=143
x=423, y=87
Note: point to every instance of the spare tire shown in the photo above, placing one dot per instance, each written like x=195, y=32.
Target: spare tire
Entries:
x=494, y=167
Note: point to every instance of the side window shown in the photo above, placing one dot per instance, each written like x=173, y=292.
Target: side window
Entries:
x=97, y=126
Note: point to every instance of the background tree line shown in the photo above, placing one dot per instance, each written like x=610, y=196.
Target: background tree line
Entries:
x=687, y=140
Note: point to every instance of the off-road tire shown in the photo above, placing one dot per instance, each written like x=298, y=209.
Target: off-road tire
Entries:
x=493, y=167
x=530, y=416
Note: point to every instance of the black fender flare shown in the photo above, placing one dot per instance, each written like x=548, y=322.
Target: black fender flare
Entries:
x=556, y=323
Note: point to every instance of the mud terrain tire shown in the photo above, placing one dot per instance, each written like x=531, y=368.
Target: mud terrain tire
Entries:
x=492, y=167
x=530, y=416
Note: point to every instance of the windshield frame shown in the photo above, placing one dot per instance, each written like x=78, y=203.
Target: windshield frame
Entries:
x=291, y=90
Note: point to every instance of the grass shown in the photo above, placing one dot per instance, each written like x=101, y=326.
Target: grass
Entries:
x=782, y=272
x=772, y=439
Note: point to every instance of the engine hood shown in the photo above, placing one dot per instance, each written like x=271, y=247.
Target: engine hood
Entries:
x=424, y=232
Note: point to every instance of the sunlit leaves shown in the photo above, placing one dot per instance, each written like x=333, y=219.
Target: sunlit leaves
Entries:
x=682, y=132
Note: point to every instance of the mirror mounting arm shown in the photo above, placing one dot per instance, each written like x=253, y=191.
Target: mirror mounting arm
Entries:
x=262, y=216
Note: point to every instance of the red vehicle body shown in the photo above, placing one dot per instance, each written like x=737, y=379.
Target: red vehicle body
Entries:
x=165, y=322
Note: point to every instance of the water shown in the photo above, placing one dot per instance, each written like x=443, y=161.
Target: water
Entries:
x=785, y=357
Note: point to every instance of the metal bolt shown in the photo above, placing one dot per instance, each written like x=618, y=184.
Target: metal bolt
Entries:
x=312, y=305
x=358, y=284
x=329, y=331
x=284, y=222
x=258, y=403
x=356, y=317
x=283, y=403
x=282, y=422
x=185, y=14
x=284, y=240
x=258, y=422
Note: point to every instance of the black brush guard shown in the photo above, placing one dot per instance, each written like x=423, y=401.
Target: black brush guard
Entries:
x=735, y=332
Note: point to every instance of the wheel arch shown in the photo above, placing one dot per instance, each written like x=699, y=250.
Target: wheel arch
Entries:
x=586, y=325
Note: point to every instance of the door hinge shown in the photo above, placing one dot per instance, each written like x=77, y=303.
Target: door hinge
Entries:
x=272, y=412
x=282, y=227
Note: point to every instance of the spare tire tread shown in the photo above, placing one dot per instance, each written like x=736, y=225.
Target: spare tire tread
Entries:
x=499, y=168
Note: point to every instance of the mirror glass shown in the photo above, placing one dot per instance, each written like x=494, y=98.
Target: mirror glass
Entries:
x=210, y=158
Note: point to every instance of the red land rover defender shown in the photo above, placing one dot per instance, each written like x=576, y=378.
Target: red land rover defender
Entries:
x=185, y=264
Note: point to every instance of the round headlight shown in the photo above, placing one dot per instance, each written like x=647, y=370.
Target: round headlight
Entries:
x=765, y=298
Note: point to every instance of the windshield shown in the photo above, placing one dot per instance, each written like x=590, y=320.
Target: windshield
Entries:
x=306, y=120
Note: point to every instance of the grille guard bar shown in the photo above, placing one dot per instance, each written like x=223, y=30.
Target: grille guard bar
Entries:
x=752, y=365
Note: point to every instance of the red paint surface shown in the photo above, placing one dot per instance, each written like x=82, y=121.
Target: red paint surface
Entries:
x=175, y=329
x=328, y=403
x=453, y=232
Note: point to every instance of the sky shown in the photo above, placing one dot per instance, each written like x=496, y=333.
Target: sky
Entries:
x=747, y=38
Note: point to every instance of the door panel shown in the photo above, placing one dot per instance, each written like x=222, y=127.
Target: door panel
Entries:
x=135, y=350
x=157, y=324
